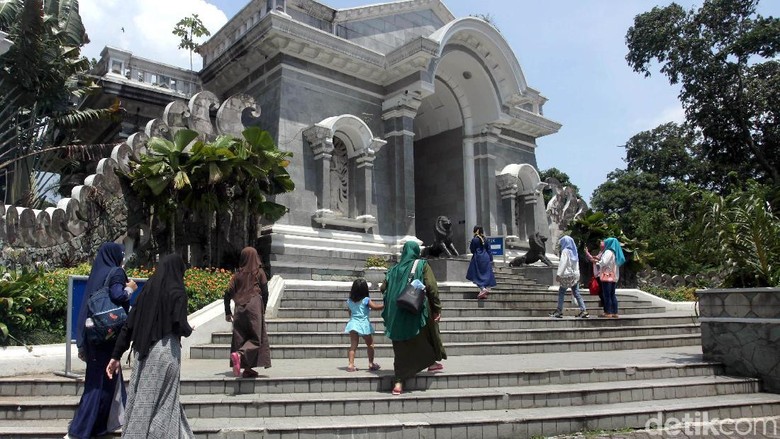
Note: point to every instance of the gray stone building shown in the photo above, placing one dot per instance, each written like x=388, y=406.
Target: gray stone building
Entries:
x=396, y=113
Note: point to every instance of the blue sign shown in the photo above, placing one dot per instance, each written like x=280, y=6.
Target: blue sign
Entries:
x=77, y=286
x=496, y=245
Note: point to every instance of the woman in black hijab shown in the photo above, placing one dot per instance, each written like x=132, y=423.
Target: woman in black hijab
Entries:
x=155, y=327
x=101, y=407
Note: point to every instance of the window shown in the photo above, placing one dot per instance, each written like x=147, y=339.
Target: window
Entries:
x=117, y=66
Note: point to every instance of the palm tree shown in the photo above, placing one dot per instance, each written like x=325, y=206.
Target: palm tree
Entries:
x=41, y=77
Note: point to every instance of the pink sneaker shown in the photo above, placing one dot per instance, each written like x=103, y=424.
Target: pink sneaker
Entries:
x=236, y=360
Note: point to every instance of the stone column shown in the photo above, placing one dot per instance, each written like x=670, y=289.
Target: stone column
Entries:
x=508, y=187
x=279, y=5
x=528, y=215
x=364, y=164
x=398, y=114
x=469, y=187
x=321, y=141
x=485, y=174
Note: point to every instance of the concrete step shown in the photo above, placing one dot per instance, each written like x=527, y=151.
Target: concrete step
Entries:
x=429, y=401
x=495, y=323
x=333, y=378
x=481, y=336
x=497, y=423
x=216, y=351
x=541, y=311
x=462, y=293
x=550, y=302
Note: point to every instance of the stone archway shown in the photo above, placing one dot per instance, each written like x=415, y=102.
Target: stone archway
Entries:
x=522, y=203
x=344, y=151
x=473, y=77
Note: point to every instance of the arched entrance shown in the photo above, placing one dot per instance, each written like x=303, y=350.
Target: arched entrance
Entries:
x=453, y=167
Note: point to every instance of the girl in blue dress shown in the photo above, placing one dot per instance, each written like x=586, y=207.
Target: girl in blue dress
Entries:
x=359, y=326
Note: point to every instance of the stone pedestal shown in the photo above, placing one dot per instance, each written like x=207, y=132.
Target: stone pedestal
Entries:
x=740, y=328
x=449, y=270
x=542, y=274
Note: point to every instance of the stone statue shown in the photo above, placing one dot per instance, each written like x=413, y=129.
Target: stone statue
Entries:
x=535, y=253
x=442, y=245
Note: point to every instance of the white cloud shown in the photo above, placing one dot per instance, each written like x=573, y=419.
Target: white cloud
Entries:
x=147, y=27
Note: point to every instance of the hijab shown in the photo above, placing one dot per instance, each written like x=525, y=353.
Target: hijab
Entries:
x=399, y=324
x=161, y=308
x=614, y=245
x=250, y=276
x=109, y=256
x=567, y=243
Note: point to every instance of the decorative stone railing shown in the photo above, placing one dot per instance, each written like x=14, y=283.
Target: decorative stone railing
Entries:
x=658, y=279
x=98, y=210
x=740, y=328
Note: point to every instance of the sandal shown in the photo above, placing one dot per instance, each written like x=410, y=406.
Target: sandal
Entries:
x=483, y=294
x=435, y=367
x=374, y=366
x=236, y=360
x=397, y=389
x=352, y=369
x=249, y=373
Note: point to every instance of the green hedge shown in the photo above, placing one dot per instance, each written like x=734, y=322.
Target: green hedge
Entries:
x=45, y=323
x=680, y=294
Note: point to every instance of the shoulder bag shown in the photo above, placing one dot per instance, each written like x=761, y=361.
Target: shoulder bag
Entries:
x=107, y=317
x=411, y=298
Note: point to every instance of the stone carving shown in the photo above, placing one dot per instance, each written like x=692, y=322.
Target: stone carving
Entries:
x=442, y=244
x=339, y=178
x=98, y=210
x=535, y=253
x=563, y=207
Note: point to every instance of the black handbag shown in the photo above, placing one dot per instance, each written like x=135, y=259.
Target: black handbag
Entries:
x=411, y=299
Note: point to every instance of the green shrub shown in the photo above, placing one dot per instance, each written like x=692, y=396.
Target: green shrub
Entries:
x=43, y=321
x=679, y=294
x=377, y=261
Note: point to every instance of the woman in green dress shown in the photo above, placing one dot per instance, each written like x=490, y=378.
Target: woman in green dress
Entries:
x=416, y=340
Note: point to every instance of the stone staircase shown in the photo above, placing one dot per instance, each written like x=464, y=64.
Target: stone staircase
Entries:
x=512, y=373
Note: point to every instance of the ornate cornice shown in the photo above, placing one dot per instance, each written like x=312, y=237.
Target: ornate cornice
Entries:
x=529, y=123
x=385, y=9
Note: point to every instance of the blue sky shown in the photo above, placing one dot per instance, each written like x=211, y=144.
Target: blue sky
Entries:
x=572, y=51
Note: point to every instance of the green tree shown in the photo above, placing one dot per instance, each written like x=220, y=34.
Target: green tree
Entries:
x=723, y=57
x=748, y=236
x=652, y=202
x=41, y=76
x=188, y=29
x=188, y=175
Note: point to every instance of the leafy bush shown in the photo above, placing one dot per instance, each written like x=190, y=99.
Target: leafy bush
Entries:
x=377, y=261
x=18, y=302
x=679, y=294
x=37, y=312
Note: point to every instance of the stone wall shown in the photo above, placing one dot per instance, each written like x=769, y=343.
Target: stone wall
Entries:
x=741, y=329
x=101, y=209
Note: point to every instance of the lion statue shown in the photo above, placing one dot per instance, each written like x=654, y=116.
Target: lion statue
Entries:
x=442, y=245
x=535, y=253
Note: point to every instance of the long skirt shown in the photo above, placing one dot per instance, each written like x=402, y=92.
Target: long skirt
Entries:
x=480, y=270
x=101, y=409
x=153, y=406
x=250, y=336
x=419, y=352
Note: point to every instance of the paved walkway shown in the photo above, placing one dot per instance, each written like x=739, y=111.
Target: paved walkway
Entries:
x=326, y=367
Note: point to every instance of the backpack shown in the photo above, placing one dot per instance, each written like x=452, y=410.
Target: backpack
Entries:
x=107, y=317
